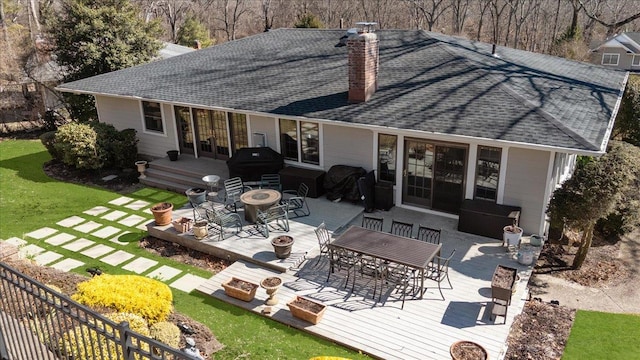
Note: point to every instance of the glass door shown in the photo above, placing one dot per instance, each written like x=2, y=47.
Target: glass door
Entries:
x=212, y=134
x=185, y=130
x=448, y=179
x=418, y=173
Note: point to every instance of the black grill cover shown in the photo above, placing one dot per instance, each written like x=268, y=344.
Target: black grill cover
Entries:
x=250, y=163
x=341, y=182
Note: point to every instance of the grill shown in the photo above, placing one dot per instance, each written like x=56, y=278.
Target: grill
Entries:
x=250, y=163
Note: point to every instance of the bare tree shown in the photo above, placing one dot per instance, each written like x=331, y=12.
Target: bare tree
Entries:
x=522, y=9
x=484, y=5
x=593, y=9
x=174, y=11
x=232, y=11
x=431, y=10
x=459, y=11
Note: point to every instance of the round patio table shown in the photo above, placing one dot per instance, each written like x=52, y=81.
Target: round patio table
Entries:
x=258, y=199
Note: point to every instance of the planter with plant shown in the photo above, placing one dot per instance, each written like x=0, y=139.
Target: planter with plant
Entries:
x=200, y=230
x=467, y=350
x=512, y=235
x=282, y=246
x=162, y=213
x=240, y=289
x=182, y=224
x=306, y=309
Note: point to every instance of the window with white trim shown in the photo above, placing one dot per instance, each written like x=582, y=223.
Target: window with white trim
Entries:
x=610, y=59
x=635, y=61
x=487, y=173
x=152, y=116
x=300, y=141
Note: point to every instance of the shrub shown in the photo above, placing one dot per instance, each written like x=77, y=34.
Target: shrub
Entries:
x=106, y=137
x=125, y=149
x=166, y=333
x=81, y=343
x=77, y=145
x=136, y=322
x=48, y=139
x=135, y=294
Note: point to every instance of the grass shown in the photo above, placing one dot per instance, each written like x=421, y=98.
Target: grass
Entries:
x=598, y=335
x=31, y=200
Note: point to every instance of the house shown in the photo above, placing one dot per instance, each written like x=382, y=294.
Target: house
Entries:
x=621, y=51
x=443, y=118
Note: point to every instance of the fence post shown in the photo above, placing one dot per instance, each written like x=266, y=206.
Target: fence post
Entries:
x=125, y=341
x=4, y=353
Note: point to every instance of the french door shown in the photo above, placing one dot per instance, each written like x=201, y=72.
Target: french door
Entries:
x=433, y=175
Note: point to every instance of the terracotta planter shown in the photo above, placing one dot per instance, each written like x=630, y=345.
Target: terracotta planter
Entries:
x=307, y=310
x=464, y=350
x=240, y=289
x=271, y=285
x=162, y=213
x=182, y=224
x=200, y=230
x=282, y=246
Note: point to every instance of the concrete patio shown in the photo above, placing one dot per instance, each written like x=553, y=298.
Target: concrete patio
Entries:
x=424, y=329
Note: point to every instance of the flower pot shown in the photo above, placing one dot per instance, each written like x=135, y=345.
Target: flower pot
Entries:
x=240, y=289
x=525, y=255
x=536, y=240
x=182, y=224
x=307, y=310
x=503, y=283
x=282, y=246
x=173, y=155
x=271, y=285
x=162, y=213
x=196, y=195
x=464, y=350
x=200, y=230
x=512, y=235
x=142, y=167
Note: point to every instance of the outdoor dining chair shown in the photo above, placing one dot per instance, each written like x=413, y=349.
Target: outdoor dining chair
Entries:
x=372, y=223
x=271, y=181
x=296, y=200
x=277, y=214
x=233, y=188
x=401, y=228
x=428, y=234
x=222, y=220
x=342, y=259
x=440, y=271
x=324, y=238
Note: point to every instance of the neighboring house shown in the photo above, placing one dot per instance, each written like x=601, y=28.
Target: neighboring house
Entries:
x=441, y=117
x=621, y=51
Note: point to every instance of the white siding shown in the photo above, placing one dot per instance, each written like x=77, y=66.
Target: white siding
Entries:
x=347, y=146
x=127, y=114
x=525, y=184
x=265, y=125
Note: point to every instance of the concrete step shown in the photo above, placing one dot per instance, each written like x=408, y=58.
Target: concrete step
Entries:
x=169, y=168
x=166, y=184
x=185, y=180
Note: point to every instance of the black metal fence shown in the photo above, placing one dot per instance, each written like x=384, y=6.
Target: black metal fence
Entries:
x=37, y=322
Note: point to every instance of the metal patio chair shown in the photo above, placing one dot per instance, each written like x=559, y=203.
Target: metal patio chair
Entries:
x=277, y=214
x=324, y=239
x=440, y=271
x=428, y=234
x=233, y=188
x=222, y=220
x=271, y=181
x=372, y=223
x=401, y=228
x=296, y=200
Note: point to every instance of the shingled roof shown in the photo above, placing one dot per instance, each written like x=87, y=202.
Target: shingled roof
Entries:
x=427, y=82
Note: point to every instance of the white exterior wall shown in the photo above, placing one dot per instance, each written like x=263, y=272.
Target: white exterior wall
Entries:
x=347, y=146
x=265, y=125
x=525, y=182
x=127, y=114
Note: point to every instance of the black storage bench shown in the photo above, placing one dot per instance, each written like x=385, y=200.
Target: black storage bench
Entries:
x=291, y=177
x=485, y=218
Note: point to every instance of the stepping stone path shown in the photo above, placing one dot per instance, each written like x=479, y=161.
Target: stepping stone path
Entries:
x=90, y=233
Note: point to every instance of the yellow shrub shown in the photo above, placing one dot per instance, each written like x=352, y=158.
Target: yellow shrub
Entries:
x=136, y=322
x=135, y=294
x=166, y=333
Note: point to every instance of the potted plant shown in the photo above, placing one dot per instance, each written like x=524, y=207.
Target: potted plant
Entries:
x=196, y=195
x=467, y=350
x=200, y=230
x=282, y=246
x=306, y=309
x=173, y=155
x=512, y=235
x=182, y=224
x=240, y=289
x=271, y=285
x=162, y=213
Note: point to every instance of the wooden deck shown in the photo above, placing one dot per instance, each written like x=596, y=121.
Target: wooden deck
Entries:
x=424, y=329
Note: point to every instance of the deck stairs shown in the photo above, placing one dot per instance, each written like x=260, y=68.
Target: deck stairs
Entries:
x=185, y=173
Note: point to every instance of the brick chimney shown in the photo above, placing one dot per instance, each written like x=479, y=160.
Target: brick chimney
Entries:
x=363, y=65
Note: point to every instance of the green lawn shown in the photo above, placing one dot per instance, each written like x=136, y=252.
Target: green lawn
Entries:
x=30, y=200
x=598, y=335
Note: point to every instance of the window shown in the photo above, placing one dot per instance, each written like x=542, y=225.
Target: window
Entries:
x=635, y=61
x=152, y=116
x=387, y=145
x=610, y=59
x=487, y=173
x=239, y=134
x=304, y=140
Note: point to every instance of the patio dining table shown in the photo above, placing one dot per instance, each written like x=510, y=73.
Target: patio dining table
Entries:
x=388, y=247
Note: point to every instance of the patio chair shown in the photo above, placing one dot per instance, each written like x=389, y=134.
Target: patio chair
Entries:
x=440, y=271
x=278, y=214
x=341, y=259
x=428, y=234
x=222, y=220
x=401, y=228
x=271, y=181
x=324, y=238
x=372, y=223
x=233, y=188
x=297, y=200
